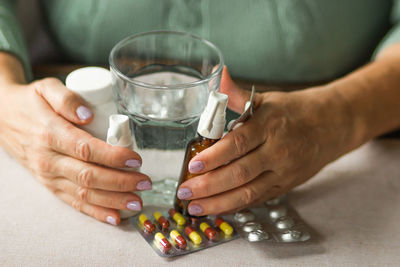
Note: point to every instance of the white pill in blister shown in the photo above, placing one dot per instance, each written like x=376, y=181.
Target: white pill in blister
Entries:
x=284, y=222
x=277, y=212
x=244, y=216
x=252, y=226
x=291, y=235
x=257, y=235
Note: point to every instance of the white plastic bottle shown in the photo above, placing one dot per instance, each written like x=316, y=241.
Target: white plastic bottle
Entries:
x=119, y=134
x=94, y=85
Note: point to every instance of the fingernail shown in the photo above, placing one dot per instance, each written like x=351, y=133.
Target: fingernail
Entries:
x=134, y=205
x=195, y=210
x=111, y=220
x=83, y=113
x=184, y=193
x=133, y=163
x=143, y=185
x=196, y=166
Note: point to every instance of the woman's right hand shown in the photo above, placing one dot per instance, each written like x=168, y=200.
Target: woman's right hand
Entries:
x=37, y=125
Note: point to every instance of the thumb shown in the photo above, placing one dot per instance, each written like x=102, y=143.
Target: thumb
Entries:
x=63, y=101
x=237, y=96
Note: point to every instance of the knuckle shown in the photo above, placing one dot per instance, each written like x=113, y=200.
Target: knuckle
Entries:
x=249, y=195
x=124, y=184
x=46, y=136
x=241, y=174
x=82, y=193
x=43, y=166
x=82, y=150
x=67, y=98
x=204, y=185
x=85, y=177
x=241, y=143
x=77, y=204
x=50, y=81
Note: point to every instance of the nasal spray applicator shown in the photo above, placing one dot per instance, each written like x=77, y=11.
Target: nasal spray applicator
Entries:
x=119, y=134
x=210, y=130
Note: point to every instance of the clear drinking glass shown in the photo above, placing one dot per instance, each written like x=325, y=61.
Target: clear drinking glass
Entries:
x=161, y=80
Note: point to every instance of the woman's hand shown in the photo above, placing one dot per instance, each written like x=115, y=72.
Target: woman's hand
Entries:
x=290, y=137
x=38, y=128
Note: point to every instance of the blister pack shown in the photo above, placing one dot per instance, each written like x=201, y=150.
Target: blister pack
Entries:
x=171, y=234
x=275, y=221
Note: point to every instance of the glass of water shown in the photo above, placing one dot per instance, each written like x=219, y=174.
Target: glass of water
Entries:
x=162, y=80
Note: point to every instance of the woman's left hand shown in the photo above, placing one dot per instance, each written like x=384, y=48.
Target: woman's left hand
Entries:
x=289, y=138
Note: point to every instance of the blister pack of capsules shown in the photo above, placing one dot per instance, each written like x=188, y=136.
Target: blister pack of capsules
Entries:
x=275, y=221
x=171, y=234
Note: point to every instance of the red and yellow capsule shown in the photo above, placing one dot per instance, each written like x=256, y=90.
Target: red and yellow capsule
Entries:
x=164, y=223
x=178, y=239
x=224, y=226
x=193, y=235
x=178, y=218
x=163, y=243
x=147, y=224
x=208, y=231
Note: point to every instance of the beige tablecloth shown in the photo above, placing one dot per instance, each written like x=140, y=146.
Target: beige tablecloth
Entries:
x=353, y=205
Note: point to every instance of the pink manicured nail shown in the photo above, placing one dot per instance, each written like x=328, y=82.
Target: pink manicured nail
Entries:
x=134, y=205
x=196, y=166
x=184, y=193
x=133, y=163
x=143, y=185
x=111, y=220
x=195, y=209
x=83, y=113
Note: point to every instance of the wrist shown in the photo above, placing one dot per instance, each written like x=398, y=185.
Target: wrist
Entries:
x=11, y=70
x=336, y=123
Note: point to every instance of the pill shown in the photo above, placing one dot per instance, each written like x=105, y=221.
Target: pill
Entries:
x=193, y=235
x=147, y=224
x=224, y=226
x=164, y=244
x=178, y=218
x=277, y=212
x=257, y=235
x=284, y=223
x=291, y=235
x=164, y=223
x=178, y=239
x=252, y=226
x=208, y=231
x=244, y=216
x=274, y=201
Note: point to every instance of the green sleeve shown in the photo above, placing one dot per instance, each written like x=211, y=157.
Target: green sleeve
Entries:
x=393, y=36
x=11, y=38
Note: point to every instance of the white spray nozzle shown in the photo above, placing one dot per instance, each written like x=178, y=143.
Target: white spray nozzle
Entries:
x=212, y=120
x=119, y=133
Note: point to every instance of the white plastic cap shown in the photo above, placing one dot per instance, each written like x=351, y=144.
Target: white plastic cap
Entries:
x=212, y=120
x=119, y=133
x=93, y=84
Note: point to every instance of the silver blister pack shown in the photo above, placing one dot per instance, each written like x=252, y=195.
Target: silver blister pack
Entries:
x=210, y=236
x=275, y=221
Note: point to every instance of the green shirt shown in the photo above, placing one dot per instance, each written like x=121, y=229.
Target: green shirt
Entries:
x=288, y=41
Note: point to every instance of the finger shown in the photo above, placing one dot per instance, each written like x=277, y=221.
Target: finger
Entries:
x=98, y=177
x=237, y=96
x=97, y=197
x=266, y=186
x=233, y=145
x=67, y=139
x=235, y=174
x=63, y=101
x=107, y=215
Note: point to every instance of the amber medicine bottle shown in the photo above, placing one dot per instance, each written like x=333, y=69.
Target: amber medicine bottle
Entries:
x=210, y=130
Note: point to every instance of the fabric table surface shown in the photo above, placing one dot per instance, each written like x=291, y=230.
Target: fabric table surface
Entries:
x=353, y=205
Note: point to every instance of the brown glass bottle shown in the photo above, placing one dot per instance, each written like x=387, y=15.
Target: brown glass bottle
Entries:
x=194, y=147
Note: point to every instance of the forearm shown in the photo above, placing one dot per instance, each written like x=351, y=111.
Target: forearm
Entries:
x=371, y=96
x=11, y=70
